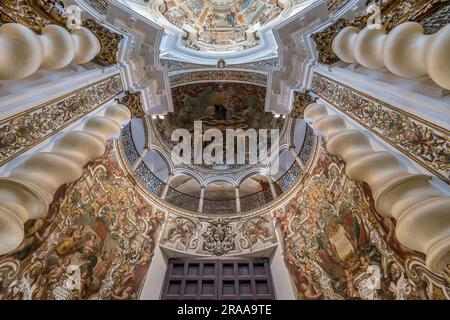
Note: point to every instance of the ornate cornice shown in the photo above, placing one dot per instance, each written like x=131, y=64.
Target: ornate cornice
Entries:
x=25, y=130
x=263, y=65
x=109, y=41
x=421, y=141
x=218, y=75
x=133, y=102
x=301, y=101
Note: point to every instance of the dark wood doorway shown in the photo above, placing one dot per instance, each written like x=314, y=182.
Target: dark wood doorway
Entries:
x=231, y=279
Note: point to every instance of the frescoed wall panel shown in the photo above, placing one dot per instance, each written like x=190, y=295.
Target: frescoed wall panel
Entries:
x=336, y=246
x=96, y=242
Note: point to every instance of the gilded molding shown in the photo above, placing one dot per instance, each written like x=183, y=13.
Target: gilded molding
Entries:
x=25, y=130
x=301, y=101
x=109, y=41
x=218, y=75
x=133, y=102
x=323, y=41
x=423, y=142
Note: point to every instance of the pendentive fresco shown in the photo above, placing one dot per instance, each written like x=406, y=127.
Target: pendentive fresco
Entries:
x=336, y=246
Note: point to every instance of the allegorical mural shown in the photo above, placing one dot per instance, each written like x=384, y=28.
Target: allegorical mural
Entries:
x=96, y=242
x=218, y=236
x=220, y=25
x=336, y=246
x=219, y=106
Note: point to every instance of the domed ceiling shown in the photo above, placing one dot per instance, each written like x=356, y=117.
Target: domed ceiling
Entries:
x=220, y=25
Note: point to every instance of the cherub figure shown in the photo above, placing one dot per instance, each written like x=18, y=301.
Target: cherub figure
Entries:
x=59, y=269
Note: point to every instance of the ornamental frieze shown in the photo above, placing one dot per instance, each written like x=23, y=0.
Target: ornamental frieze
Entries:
x=423, y=142
x=218, y=75
x=25, y=130
x=218, y=236
x=263, y=65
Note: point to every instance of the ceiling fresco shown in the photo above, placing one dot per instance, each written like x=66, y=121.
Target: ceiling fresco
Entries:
x=218, y=105
x=220, y=25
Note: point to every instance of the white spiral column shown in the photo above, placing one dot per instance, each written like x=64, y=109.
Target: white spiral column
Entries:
x=22, y=52
x=405, y=51
x=27, y=192
x=422, y=213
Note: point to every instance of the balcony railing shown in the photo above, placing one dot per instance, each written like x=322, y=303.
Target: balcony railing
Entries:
x=217, y=206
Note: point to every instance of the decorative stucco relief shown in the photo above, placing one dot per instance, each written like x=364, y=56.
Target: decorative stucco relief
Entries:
x=425, y=143
x=218, y=236
x=218, y=75
x=301, y=101
x=133, y=102
x=109, y=41
x=23, y=131
x=336, y=246
x=263, y=65
x=96, y=242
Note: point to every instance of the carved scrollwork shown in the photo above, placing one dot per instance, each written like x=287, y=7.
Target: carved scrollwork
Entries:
x=323, y=41
x=133, y=102
x=301, y=100
x=219, y=237
x=109, y=41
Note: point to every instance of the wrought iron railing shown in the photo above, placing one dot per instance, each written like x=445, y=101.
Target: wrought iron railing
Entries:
x=182, y=200
x=216, y=205
x=219, y=206
x=130, y=149
x=146, y=176
x=253, y=201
